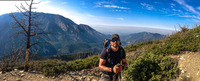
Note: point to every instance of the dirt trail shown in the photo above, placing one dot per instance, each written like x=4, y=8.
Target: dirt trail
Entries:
x=189, y=65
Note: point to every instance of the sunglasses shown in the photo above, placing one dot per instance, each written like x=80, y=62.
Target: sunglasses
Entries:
x=113, y=40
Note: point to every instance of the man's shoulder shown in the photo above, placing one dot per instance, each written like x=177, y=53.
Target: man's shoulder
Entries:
x=121, y=48
x=103, y=53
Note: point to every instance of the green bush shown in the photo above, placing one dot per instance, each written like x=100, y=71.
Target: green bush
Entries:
x=152, y=67
x=49, y=67
x=84, y=63
x=54, y=67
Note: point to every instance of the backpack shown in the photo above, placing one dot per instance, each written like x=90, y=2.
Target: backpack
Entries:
x=106, y=44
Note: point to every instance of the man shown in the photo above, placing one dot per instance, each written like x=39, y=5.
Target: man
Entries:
x=110, y=60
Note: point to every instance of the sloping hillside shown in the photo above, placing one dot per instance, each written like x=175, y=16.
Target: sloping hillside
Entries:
x=182, y=47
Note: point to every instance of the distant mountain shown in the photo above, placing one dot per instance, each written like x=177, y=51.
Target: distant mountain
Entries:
x=140, y=37
x=67, y=37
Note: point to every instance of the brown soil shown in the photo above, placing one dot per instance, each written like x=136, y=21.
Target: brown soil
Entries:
x=189, y=66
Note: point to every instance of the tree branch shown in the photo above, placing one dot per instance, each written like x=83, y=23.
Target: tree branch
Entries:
x=40, y=33
x=21, y=11
x=38, y=43
x=18, y=23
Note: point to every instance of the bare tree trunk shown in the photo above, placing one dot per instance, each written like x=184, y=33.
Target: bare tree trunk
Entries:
x=28, y=38
x=27, y=58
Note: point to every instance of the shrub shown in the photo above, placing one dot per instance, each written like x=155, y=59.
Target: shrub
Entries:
x=84, y=63
x=49, y=67
x=152, y=67
x=54, y=67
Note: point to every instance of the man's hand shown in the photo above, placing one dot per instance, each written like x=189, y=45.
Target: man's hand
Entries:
x=115, y=69
x=120, y=68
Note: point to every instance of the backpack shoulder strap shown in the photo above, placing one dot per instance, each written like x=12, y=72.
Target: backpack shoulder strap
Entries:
x=121, y=51
x=108, y=52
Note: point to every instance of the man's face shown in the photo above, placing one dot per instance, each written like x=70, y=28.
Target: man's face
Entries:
x=115, y=42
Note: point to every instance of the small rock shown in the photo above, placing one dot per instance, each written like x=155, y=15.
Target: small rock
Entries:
x=1, y=72
x=4, y=78
x=21, y=71
x=88, y=79
x=182, y=71
x=53, y=77
x=22, y=75
x=94, y=80
x=15, y=69
x=188, y=76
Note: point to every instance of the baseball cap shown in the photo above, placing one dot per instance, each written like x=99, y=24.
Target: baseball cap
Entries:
x=114, y=36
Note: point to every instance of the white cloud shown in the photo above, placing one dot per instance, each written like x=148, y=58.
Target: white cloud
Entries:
x=89, y=15
x=120, y=18
x=190, y=16
x=147, y=6
x=99, y=4
x=195, y=20
x=176, y=10
x=114, y=6
x=124, y=2
x=45, y=2
x=188, y=7
x=83, y=3
x=198, y=8
x=65, y=3
x=171, y=14
x=172, y=5
x=108, y=5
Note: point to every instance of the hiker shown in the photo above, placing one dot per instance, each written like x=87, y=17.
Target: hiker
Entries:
x=110, y=59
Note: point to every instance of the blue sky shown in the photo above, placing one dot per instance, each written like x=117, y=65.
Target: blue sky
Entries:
x=162, y=14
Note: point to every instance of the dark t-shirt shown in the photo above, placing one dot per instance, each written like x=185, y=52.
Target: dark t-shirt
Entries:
x=112, y=58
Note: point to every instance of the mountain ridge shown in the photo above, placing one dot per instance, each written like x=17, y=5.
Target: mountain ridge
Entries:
x=68, y=37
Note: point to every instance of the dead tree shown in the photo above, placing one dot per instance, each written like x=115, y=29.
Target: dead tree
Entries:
x=28, y=26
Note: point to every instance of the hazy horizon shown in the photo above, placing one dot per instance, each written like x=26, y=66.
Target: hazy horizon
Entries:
x=126, y=30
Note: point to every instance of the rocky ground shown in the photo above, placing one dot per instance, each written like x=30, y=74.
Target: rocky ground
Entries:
x=83, y=75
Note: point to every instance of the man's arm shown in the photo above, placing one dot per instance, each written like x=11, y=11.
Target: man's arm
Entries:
x=124, y=63
x=103, y=67
x=107, y=69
